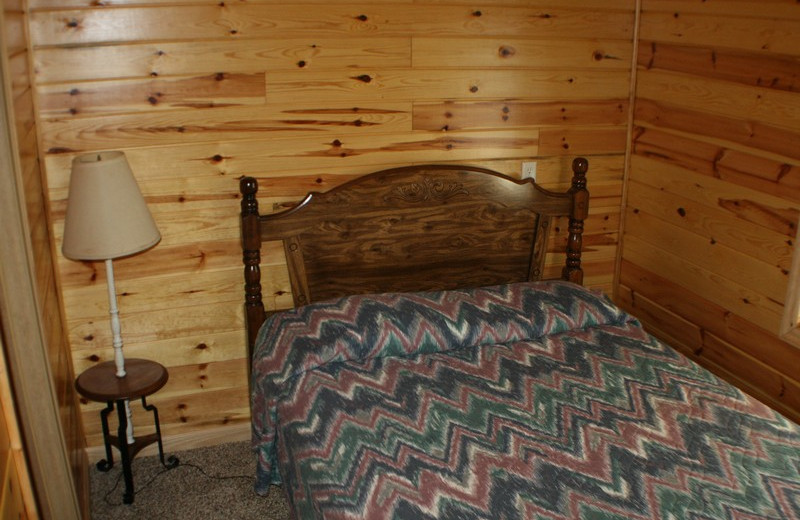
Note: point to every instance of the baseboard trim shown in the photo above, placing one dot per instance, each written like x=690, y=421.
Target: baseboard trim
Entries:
x=184, y=441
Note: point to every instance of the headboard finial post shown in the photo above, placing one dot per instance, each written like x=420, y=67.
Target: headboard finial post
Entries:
x=251, y=257
x=580, y=210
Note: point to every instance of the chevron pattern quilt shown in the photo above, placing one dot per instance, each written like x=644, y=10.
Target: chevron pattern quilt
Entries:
x=526, y=401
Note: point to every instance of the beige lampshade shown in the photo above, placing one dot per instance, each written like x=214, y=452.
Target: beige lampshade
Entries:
x=107, y=216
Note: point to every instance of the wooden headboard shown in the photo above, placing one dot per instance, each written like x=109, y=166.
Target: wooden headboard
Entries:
x=414, y=228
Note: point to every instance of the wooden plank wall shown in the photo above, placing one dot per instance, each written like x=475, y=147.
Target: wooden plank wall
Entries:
x=713, y=195
x=20, y=95
x=304, y=95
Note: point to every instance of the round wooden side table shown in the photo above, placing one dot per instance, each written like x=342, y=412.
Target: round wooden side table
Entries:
x=143, y=378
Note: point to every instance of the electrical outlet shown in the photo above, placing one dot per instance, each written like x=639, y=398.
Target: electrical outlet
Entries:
x=529, y=170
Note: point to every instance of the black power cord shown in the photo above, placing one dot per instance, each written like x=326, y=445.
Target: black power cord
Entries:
x=172, y=465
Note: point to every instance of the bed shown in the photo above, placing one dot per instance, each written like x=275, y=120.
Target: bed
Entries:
x=429, y=371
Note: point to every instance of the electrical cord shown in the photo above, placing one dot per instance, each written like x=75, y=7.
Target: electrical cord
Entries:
x=164, y=470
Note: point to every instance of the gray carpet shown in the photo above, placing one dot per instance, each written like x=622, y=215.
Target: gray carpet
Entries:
x=209, y=483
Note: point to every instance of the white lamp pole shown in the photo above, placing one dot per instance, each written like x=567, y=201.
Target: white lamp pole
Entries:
x=116, y=328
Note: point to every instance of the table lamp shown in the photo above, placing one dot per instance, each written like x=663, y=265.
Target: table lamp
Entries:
x=107, y=218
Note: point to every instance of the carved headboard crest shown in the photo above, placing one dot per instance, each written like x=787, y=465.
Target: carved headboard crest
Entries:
x=428, y=189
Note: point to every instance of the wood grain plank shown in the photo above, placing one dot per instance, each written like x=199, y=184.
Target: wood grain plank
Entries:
x=243, y=21
x=108, y=97
x=582, y=141
x=776, y=214
x=733, y=132
x=479, y=84
x=713, y=224
x=161, y=260
x=762, y=277
x=745, y=67
x=180, y=414
x=575, y=4
x=188, y=351
x=520, y=53
x=776, y=178
x=779, y=36
x=200, y=58
x=154, y=293
x=159, y=325
x=455, y=115
x=222, y=124
x=253, y=157
x=703, y=279
x=772, y=9
x=778, y=108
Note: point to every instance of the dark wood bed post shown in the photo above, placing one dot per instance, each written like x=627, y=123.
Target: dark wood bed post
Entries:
x=572, y=271
x=251, y=256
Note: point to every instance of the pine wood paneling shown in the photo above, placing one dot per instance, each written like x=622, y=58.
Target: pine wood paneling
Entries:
x=295, y=20
x=712, y=206
x=148, y=60
x=493, y=114
x=303, y=96
x=520, y=53
x=755, y=30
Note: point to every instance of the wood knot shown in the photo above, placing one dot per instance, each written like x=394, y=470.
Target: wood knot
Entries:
x=73, y=23
x=506, y=51
x=473, y=89
x=201, y=346
x=681, y=212
x=362, y=18
x=94, y=358
x=217, y=158
x=301, y=63
x=219, y=76
x=364, y=78
x=477, y=13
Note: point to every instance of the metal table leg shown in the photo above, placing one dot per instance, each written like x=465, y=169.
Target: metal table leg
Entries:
x=107, y=463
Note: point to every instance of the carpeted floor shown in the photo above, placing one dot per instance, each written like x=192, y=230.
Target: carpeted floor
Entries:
x=208, y=484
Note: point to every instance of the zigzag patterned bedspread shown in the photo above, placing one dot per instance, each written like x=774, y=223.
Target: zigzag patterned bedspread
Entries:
x=524, y=401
